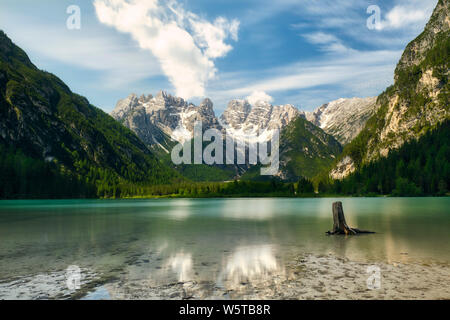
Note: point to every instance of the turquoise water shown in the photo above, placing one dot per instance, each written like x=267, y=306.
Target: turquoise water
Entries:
x=206, y=236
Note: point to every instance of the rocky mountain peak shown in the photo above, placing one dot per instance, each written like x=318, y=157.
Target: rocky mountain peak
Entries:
x=236, y=113
x=144, y=99
x=164, y=116
x=206, y=104
x=241, y=118
x=417, y=49
x=162, y=95
x=124, y=106
x=343, y=118
x=282, y=115
x=164, y=100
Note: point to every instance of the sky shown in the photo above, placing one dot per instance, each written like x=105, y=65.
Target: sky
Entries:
x=301, y=52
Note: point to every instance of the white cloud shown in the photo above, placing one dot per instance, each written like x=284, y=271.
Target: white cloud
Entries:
x=311, y=83
x=211, y=36
x=408, y=14
x=259, y=96
x=320, y=38
x=327, y=42
x=401, y=20
x=362, y=65
x=184, y=44
x=116, y=61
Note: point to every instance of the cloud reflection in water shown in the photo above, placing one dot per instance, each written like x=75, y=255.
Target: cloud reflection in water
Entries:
x=250, y=264
x=181, y=264
x=249, y=209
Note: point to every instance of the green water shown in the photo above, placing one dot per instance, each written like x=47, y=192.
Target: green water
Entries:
x=205, y=237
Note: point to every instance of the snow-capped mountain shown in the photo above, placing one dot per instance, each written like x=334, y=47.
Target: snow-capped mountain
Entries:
x=164, y=118
x=156, y=120
x=243, y=120
x=343, y=118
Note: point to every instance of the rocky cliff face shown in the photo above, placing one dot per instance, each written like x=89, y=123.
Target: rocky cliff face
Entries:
x=156, y=120
x=344, y=118
x=240, y=119
x=163, y=118
x=236, y=113
x=416, y=103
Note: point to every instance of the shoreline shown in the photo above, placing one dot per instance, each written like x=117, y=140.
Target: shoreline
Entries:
x=306, y=277
x=228, y=197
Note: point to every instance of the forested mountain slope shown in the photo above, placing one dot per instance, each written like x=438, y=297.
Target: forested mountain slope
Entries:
x=416, y=103
x=77, y=146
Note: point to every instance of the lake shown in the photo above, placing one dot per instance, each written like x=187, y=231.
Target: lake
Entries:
x=166, y=241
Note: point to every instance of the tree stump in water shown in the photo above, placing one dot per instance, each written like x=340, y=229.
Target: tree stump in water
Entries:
x=340, y=225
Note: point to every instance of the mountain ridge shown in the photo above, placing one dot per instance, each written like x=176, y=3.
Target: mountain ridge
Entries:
x=416, y=103
x=41, y=116
x=239, y=119
x=343, y=118
x=164, y=120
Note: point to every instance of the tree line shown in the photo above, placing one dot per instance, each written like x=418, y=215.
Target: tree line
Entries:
x=418, y=168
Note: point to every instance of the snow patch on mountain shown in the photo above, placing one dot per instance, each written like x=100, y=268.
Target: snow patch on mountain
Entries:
x=165, y=117
x=343, y=118
x=257, y=121
x=154, y=119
